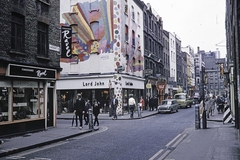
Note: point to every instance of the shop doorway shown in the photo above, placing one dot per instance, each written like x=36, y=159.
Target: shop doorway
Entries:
x=50, y=107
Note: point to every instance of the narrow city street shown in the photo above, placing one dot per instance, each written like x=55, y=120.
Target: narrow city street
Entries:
x=145, y=138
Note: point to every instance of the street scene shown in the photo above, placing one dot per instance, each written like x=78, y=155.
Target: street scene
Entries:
x=119, y=79
x=154, y=136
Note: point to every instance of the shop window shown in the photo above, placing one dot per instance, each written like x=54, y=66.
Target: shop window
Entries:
x=28, y=100
x=3, y=104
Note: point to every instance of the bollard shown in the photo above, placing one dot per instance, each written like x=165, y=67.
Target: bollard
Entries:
x=90, y=117
x=197, y=117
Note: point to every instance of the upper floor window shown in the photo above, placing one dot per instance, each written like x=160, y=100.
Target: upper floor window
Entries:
x=133, y=38
x=133, y=14
x=42, y=41
x=126, y=33
x=138, y=18
x=17, y=32
x=43, y=7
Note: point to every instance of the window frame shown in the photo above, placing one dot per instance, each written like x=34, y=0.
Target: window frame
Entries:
x=17, y=32
x=42, y=39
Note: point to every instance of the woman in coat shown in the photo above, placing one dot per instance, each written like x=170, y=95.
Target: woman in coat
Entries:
x=96, y=111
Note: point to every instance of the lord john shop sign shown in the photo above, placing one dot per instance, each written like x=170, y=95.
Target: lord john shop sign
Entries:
x=30, y=72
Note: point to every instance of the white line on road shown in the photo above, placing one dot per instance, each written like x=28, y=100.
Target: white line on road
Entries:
x=164, y=155
x=173, y=140
x=155, y=155
x=179, y=140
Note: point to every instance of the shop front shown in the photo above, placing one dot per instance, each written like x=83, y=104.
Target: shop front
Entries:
x=101, y=88
x=25, y=102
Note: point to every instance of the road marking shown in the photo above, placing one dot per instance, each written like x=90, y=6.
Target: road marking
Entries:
x=179, y=140
x=169, y=143
x=155, y=155
x=164, y=155
x=15, y=157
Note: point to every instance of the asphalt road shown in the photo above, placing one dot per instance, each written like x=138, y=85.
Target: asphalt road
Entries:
x=139, y=139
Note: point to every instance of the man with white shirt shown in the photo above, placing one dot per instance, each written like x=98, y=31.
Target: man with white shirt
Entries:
x=132, y=104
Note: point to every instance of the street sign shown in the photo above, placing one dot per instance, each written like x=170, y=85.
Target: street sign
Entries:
x=148, y=71
x=148, y=85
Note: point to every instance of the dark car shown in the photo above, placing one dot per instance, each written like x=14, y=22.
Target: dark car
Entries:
x=168, y=105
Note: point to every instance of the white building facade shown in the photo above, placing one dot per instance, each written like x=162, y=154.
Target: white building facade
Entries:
x=107, y=51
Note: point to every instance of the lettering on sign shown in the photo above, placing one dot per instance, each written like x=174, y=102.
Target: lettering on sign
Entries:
x=66, y=42
x=40, y=74
x=92, y=84
x=128, y=83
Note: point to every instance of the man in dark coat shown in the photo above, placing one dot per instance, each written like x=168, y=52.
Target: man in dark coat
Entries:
x=79, y=108
x=151, y=104
x=114, y=104
x=87, y=106
x=96, y=111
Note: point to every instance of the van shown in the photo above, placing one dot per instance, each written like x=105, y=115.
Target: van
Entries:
x=183, y=100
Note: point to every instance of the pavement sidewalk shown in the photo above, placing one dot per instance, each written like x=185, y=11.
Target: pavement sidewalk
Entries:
x=54, y=134
x=218, y=141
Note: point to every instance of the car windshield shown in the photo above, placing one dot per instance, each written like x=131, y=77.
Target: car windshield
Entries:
x=180, y=96
x=166, y=102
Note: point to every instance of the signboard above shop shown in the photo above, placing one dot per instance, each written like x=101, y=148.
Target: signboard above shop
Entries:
x=23, y=71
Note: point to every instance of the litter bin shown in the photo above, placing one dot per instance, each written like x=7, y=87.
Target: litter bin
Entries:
x=197, y=116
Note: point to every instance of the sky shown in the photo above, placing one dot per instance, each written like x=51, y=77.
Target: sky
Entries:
x=198, y=23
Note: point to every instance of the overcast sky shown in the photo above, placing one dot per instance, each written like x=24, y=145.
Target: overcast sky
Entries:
x=197, y=22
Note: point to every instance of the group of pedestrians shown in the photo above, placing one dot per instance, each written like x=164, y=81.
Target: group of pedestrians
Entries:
x=82, y=106
x=153, y=103
x=211, y=103
x=81, y=110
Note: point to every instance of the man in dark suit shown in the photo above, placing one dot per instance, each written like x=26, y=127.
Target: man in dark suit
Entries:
x=114, y=104
x=79, y=108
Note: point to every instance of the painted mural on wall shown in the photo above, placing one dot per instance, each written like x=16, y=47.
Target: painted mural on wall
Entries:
x=97, y=29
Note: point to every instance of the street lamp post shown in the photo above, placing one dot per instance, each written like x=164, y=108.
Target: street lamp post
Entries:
x=204, y=119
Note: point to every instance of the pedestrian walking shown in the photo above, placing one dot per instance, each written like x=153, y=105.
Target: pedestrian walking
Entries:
x=142, y=103
x=132, y=104
x=114, y=104
x=96, y=111
x=211, y=104
x=79, y=108
x=151, y=104
x=87, y=107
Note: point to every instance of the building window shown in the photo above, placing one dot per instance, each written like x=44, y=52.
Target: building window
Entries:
x=133, y=14
x=126, y=33
x=42, y=42
x=133, y=38
x=138, y=17
x=28, y=100
x=17, y=32
x=43, y=7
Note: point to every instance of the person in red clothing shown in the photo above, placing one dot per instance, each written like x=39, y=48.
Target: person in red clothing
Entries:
x=142, y=102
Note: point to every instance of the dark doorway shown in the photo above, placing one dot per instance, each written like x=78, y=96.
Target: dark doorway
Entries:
x=50, y=107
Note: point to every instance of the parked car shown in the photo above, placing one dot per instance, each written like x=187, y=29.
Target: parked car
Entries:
x=183, y=100
x=168, y=105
